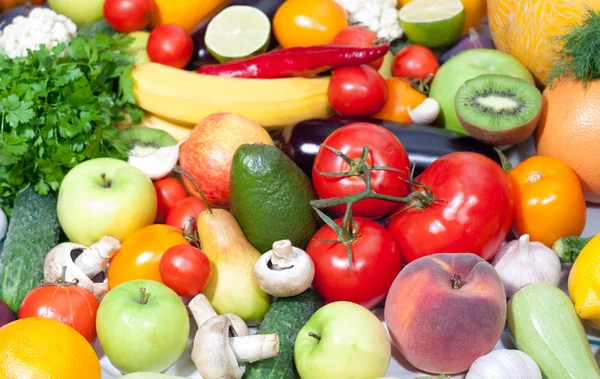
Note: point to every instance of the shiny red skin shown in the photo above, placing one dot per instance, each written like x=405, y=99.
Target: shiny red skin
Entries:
x=358, y=36
x=169, y=192
x=185, y=269
x=185, y=213
x=415, y=61
x=385, y=150
x=357, y=91
x=70, y=304
x=170, y=45
x=375, y=264
x=126, y=16
x=474, y=214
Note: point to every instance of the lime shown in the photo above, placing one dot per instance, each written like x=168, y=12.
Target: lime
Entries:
x=238, y=31
x=433, y=23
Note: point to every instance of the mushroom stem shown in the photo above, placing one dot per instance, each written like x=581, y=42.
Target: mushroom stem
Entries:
x=255, y=348
x=94, y=259
x=201, y=309
x=283, y=255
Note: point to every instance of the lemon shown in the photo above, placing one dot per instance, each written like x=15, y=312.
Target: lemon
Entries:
x=584, y=283
x=433, y=23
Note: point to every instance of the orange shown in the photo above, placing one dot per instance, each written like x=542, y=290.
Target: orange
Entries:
x=401, y=96
x=40, y=348
x=569, y=130
x=140, y=254
x=185, y=13
x=525, y=29
x=308, y=22
x=475, y=12
x=549, y=201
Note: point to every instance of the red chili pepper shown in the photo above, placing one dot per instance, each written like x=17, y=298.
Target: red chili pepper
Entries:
x=296, y=62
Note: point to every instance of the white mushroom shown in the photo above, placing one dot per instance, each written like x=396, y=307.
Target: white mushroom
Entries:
x=284, y=271
x=92, y=261
x=219, y=351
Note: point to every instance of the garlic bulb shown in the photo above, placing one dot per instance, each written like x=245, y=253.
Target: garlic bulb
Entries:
x=504, y=364
x=521, y=262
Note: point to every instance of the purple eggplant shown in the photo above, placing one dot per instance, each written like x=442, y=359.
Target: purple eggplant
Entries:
x=6, y=315
x=7, y=17
x=473, y=40
x=423, y=143
x=202, y=56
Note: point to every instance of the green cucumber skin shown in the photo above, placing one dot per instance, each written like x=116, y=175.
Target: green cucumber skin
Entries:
x=33, y=231
x=286, y=317
x=568, y=248
x=543, y=323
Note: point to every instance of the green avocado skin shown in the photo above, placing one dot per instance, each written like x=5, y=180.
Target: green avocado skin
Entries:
x=270, y=197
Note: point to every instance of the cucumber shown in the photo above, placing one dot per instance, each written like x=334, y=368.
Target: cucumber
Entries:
x=568, y=248
x=33, y=231
x=285, y=317
x=543, y=323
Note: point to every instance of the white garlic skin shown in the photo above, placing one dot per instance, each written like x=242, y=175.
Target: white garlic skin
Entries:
x=521, y=262
x=504, y=364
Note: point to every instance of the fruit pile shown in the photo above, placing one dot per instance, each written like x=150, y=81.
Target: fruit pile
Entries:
x=314, y=189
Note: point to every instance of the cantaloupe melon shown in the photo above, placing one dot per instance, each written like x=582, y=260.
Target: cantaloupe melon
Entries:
x=525, y=29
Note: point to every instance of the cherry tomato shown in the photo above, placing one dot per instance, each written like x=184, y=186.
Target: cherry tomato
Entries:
x=186, y=270
x=64, y=302
x=169, y=192
x=385, y=149
x=375, y=264
x=184, y=214
x=471, y=210
x=141, y=252
x=358, y=36
x=357, y=91
x=308, y=22
x=401, y=96
x=415, y=61
x=127, y=16
x=170, y=45
x=549, y=201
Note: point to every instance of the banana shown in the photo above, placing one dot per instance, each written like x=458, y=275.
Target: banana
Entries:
x=187, y=97
x=177, y=131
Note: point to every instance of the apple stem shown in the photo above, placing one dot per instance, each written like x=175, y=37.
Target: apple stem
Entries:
x=106, y=183
x=143, y=300
x=314, y=335
x=456, y=281
x=185, y=174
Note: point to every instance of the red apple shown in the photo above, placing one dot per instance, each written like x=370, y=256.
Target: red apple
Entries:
x=446, y=310
x=208, y=152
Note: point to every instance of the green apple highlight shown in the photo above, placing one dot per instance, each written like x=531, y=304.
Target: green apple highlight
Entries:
x=105, y=197
x=81, y=12
x=143, y=326
x=342, y=340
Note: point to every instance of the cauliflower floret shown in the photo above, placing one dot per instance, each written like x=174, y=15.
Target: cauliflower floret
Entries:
x=380, y=16
x=42, y=27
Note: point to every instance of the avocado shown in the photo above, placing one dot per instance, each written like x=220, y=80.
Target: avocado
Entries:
x=270, y=197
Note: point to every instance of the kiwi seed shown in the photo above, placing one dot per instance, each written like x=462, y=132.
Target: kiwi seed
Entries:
x=143, y=141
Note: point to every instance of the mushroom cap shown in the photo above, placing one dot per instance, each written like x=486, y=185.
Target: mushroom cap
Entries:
x=238, y=324
x=289, y=281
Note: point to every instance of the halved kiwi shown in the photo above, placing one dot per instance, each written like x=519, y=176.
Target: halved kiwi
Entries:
x=143, y=141
x=498, y=109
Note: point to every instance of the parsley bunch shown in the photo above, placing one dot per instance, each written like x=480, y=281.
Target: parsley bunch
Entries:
x=59, y=108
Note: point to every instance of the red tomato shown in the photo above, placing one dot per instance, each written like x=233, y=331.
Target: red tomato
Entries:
x=357, y=91
x=127, y=16
x=186, y=270
x=415, y=61
x=67, y=303
x=169, y=192
x=184, y=214
x=385, y=149
x=473, y=214
x=375, y=264
x=358, y=36
x=171, y=45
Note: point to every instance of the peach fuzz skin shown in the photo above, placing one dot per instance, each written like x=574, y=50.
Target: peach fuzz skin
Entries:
x=440, y=329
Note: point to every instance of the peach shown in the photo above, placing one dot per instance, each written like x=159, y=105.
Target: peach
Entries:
x=208, y=152
x=444, y=311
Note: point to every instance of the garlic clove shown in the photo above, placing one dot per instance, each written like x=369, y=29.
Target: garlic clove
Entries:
x=426, y=112
x=158, y=163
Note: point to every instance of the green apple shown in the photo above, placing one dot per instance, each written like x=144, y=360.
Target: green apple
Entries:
x=465, y=66
x=138, y=47
x=142, y=325
x=342, y=340
x=105, y=197
x=80, y=12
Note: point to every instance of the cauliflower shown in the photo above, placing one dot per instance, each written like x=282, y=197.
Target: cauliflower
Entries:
x=380, y=16
x=42, y=27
